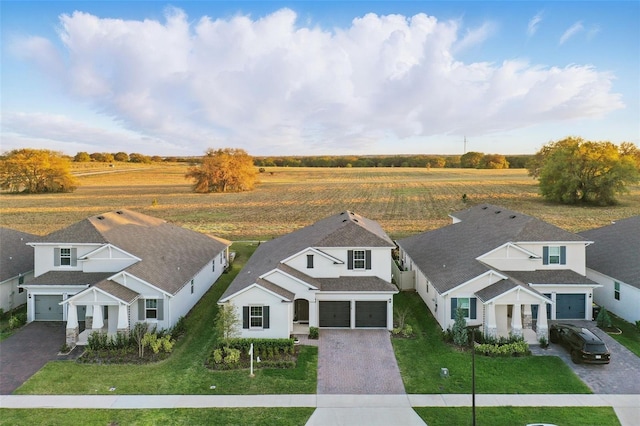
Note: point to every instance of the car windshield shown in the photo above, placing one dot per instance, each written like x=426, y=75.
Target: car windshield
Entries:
x=597, y=348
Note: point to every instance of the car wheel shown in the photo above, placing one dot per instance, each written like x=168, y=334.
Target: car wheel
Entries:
x=575, y=357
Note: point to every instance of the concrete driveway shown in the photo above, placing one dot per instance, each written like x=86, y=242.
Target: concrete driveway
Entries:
x=27, y=351
x=357, y=362
x=617, y=377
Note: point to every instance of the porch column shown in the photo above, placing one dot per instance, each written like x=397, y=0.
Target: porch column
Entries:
x=527, y=317
x=492, y=327
x=73, y=330
x=542, y=329
x=123, y=319
x=98, y=318
x=516, y=319
x=88, y=318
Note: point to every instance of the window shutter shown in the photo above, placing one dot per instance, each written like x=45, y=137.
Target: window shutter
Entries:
x=563, y=255
x=472, y=308
x=367, y=259
x=349, y=259
x=545, y=255
x=245, y=317
x=265, y=317
x=56, y=257
x=160, y=309
x=74, y=257
x=454, y=305
x=141, y=310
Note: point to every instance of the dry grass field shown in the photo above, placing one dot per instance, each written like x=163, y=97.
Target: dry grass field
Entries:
x=403, y=200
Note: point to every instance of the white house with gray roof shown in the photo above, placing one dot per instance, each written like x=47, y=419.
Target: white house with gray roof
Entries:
x=119, y=268
x=335, y=273
x=614, y=261
x=503, y=268
x=16, y=267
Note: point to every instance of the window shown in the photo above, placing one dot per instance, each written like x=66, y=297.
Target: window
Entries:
x=309, y=261
x=616, y=290
x=151, y=308
x=65, y=257
x=468, y=305
x=255, y=317
x=358, y=259
x=213, y=265
x=21, y=280
x=463, y=302
x=554, y=255
x=191, y=286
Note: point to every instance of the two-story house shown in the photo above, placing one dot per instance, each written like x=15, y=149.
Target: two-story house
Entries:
x=509, y=272
x=16, y=267
x=119, y=268
x=335, y=273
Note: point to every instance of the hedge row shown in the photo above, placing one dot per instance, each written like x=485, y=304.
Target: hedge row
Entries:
x=259, y=345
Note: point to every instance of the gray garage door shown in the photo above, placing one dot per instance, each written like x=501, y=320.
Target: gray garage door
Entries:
x=335, y=314
x=570, y=306
x=47, y=307
x=371, y=314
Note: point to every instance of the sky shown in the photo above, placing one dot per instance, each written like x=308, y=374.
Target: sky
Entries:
x=317, y=77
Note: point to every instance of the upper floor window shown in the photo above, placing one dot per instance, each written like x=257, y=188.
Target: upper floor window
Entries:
x=616, y=290
x=554, y=255
x=309, y=261
x=65, y=256
x=359, y=259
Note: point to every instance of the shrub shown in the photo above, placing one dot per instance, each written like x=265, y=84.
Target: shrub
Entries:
x=97, y=341
x=460, y=333
x=543, y=342
x=232, y=356
x=518, y=348
x=180, y=329
x=407, y=331
x=638, y=325
x=603, y=319
x=314, y=333
x=64, y=348
x=17, y=320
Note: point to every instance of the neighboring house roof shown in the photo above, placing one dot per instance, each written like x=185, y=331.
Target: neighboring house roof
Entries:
x=448, y=255
x=170, y=255
x=616, y=250
x=345, y=229
x=70, y=278
x=545, y=276
x=16, y=257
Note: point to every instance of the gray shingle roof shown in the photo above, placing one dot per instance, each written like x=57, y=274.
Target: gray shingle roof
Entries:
x=448, y=255
x=500, y=287
x=117, y=290
x=16, y=257
x=171, y=255
x=544, y=276
x=346, y=229
x=275, y=288
x=363, y=284
x=616, y=250
x=70, y=278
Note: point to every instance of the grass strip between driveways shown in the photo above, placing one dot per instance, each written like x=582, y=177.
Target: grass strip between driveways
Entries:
x=421, y=358
x=184, y=371
x=174, y=416
x=509, y=416
x=630, y=336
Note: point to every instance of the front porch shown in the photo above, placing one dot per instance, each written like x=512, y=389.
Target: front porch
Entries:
x=109, y=319
x=516, y=319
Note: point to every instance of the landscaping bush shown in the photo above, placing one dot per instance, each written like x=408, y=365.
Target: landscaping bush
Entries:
x=17, y=320
x=603, y=319
x=234, y=354
x=518, y=348
x=460, y=332
x=314, y=333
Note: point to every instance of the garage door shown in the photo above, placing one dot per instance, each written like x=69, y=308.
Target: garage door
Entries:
x=371, y=314
x=570, y=306
x=335, y=314
x=48, y=308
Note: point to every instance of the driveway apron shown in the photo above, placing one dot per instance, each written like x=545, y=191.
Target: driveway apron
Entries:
x=357, y=362
x=620, y=376
x=27, y=351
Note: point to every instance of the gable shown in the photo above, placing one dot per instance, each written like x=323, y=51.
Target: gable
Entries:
x=138, y=285
x=255, y=294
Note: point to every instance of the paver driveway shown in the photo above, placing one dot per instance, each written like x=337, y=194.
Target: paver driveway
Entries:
x=357, y=362
x=27, y=351
x=620, y=376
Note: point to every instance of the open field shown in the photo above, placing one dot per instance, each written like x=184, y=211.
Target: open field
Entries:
x=403, y=200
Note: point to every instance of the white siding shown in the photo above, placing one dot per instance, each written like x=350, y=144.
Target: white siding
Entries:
x=576, y=256
x=10, y=296
x=44, y=257
x=628, y=307
x=280, y=314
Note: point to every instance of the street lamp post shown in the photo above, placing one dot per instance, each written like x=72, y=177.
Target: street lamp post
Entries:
x=473, y=372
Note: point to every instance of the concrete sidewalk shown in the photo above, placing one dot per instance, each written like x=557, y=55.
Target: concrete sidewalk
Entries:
x=363, y=409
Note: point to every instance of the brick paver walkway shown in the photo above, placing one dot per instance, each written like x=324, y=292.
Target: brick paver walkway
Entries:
x=357, y=362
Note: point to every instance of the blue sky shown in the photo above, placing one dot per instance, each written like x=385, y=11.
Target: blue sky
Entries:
x=317, y=77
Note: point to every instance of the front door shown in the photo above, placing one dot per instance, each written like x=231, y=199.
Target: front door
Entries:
x=301, y=314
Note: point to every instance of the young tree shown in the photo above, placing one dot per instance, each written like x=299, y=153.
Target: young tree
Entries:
x=227, y=322
x=574, y=170
x=224, y=170
x=36, y=171
x=460, y=333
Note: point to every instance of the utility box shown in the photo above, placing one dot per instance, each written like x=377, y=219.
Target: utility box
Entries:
x=444, y=373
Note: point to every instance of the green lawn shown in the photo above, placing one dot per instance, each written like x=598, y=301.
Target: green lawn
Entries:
x=420, y=360
x=184, y=371
x=630, y=336
x=509, y=416
x=177, y=416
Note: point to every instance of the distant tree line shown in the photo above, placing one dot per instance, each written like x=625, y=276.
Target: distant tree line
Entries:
x=123, y=157
x=474, y=160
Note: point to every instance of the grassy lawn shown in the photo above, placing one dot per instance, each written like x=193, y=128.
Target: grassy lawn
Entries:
x=184, y=371
x=508, y=416
x=178, y=416
x=630, y=336
x=420, y=360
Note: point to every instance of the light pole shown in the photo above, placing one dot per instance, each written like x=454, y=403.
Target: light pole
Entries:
x=473, y=372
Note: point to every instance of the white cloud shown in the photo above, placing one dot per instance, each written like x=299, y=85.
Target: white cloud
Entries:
x=273, y=86
x=534, y=23
x=571, y=31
